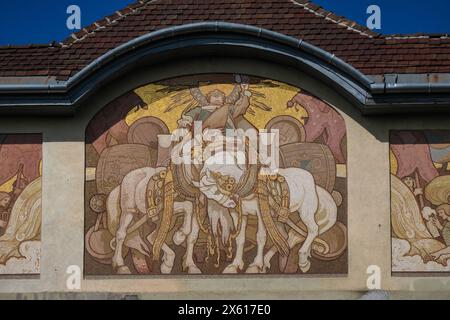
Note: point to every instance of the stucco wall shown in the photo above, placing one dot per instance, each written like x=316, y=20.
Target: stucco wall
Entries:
x=369, y=229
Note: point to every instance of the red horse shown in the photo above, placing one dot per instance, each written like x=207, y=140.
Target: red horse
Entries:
x=20, y=151
x=412, y=151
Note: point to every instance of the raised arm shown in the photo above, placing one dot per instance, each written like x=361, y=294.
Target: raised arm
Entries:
x=241, y=106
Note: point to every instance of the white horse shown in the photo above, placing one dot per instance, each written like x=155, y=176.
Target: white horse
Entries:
x=127, y=202
x=218, y=201
x=315, y=206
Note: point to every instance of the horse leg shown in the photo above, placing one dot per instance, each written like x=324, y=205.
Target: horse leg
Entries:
x=185, y=207
x=129, y=189
x=168, y=257
x=118, y=263
x=257, y=266
x=188, y=259
x=238, y=261
x=268, y=256
x=313, y=231
x=293, y=240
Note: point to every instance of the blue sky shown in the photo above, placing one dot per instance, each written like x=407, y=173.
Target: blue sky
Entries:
x=41, y=21
x=397, y=16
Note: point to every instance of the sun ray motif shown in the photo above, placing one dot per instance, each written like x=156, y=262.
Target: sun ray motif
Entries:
x=169, y=100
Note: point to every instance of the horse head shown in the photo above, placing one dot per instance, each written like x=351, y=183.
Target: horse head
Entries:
x=219, y=179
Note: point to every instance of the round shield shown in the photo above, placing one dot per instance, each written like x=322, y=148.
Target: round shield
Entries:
x=97, y=245
x=290, y=129
x=146, y=130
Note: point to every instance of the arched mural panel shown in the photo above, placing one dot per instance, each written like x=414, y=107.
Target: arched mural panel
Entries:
x=159, y=202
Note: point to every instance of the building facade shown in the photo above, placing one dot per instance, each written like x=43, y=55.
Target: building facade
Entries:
x=92, y=198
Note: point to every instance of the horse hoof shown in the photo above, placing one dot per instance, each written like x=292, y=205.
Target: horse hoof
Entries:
x=253, y=269
x=179, y=237
x=194, y=270
x=165, y=269
x=231, y=269
x=305, y=268
x=168, y=259
x=167, y=263
x=266, y=267
x=123, y=270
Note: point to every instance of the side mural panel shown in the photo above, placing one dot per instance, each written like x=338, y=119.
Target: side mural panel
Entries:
x=168, y=192
x=20, y=203
x=420, y=197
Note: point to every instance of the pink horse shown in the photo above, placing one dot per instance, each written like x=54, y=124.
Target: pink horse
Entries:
x=323, y=121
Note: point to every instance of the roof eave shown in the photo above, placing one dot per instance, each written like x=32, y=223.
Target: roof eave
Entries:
x=369, y=96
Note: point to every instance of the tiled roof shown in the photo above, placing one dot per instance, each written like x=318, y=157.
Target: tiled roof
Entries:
x=367, y=51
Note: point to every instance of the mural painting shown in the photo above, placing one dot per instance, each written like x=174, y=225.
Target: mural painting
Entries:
x=20, y=203
x=163, y=199
x=420, y=200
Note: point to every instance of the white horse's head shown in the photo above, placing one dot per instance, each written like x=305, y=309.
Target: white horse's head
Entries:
x=219, y=178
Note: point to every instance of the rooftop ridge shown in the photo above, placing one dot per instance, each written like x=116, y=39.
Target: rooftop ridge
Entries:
x=28, y=46
x=417, y=36
x=110, y=20
x=339, y=20
x=141, y=4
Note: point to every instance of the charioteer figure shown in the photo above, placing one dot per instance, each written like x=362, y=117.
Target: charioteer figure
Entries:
x=218, y=111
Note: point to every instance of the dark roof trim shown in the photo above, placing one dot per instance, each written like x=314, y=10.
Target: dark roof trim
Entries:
x=225, y=39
